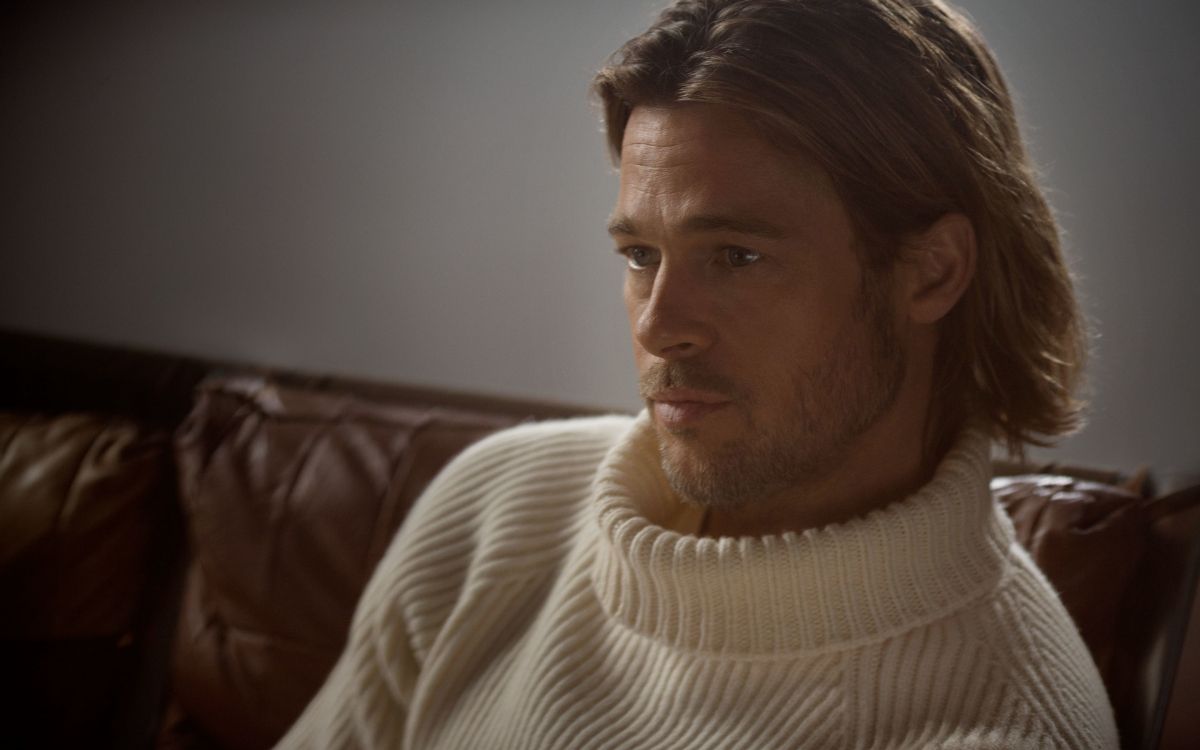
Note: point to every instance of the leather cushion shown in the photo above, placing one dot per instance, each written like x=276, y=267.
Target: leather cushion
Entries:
x=292, y=497
x=83, y=498
x=80, y=496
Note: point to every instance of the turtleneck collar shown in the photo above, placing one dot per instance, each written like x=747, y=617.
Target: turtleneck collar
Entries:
x=902, y=565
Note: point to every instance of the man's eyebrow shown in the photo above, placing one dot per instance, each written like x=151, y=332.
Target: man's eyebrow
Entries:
x=708, y=223
x=621, y=225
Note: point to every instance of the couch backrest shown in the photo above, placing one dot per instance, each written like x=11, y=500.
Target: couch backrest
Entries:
x=292, y=496
x=88, y=525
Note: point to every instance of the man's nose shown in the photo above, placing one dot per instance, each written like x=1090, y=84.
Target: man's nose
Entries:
x=673, y=322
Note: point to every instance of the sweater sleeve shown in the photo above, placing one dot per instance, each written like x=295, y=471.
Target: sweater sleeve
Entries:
x=364, y=700
x=401, y=615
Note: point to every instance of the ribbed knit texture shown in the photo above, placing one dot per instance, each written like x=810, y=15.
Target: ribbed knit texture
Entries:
x=537, y=597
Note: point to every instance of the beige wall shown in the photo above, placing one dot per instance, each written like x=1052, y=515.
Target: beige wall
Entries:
x=417, y=191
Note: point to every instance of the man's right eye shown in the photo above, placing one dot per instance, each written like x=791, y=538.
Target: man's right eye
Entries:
x=639, y=257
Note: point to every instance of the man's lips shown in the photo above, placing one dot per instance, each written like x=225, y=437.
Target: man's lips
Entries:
x=679, y=408
x=688, y=395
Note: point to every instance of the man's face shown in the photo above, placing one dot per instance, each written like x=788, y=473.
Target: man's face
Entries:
x=762, y=356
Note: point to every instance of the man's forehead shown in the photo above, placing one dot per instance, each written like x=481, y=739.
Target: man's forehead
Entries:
x=715, y=168
x=662, y=129
x=662, y=135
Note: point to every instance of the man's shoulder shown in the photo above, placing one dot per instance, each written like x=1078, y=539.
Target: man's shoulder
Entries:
x=546, y=433
x=1007, y=670
x=535, y=446
x=1036, y=646
x=538, y=470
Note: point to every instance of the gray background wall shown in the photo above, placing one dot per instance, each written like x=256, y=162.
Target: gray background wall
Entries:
x=417, y=191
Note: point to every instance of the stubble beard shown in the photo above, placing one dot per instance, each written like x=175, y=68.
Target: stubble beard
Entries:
x=833, y=404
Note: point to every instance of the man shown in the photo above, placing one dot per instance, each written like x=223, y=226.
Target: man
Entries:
x=843, y=284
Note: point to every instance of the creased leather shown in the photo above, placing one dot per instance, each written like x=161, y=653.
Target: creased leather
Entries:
x=292, y=497
x=80, y=496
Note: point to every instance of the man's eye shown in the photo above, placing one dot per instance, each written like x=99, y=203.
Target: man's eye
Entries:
x=740, y=256
x=640, y=257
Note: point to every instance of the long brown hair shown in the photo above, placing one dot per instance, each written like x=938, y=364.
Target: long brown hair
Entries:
x=905, y=107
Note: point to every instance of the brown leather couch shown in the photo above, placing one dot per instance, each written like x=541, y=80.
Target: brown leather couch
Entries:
x=182, y=543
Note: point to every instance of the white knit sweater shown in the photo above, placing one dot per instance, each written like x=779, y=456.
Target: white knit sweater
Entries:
x=537, y=597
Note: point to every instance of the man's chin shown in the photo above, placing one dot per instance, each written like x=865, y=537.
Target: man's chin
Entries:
x=698, y=481
x=686, y=458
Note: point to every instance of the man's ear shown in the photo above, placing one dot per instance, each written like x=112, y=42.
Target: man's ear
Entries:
x=938, y=265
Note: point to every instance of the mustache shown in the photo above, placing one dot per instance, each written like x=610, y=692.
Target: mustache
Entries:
x=663, y=375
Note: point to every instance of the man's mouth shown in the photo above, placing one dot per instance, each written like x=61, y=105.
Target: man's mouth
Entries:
x=681, y=408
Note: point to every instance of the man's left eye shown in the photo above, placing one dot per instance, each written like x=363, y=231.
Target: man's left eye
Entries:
x=740, y=256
